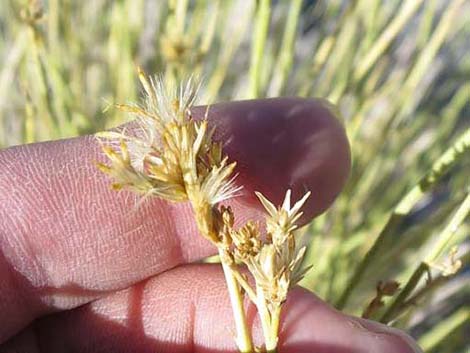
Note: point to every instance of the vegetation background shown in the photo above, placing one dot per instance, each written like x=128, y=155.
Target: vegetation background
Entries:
x=395, y=246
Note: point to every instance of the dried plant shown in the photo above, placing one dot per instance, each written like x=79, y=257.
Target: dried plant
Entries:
x=396, y=69
x=173, y=156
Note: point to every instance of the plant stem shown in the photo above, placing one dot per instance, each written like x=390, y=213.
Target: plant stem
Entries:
x=447, y=234
x=386, y=38
x=258, y=46
x=286, y=51
x=275, y=320
x=404, y=294
x=245, y=285
x=270, y=320
x=444, y=239
x=265, y=318
x=439, y=333
x=427, y=55
x=439, y=168
x=243, y=337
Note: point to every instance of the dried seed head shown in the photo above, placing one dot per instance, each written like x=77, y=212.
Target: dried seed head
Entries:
x=247, y=241
x=167, y=102
x=275, y=274
x=126, y=176
x=223, y=224
x=280, y=221
x=171, y=155
x=228, y=217
x=276, y=267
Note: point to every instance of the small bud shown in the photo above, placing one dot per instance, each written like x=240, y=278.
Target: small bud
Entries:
x=227, y=216
x=388, y=288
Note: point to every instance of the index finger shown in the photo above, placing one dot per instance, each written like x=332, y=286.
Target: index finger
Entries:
x=66, y=238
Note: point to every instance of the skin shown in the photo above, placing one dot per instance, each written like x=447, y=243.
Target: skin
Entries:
x=83, y=269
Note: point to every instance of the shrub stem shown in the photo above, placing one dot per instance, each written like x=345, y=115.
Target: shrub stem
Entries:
x=243, y=337
x=269, y=322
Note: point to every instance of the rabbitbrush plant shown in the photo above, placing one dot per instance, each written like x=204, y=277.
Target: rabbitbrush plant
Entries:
x=397, y=70
x=172, y=156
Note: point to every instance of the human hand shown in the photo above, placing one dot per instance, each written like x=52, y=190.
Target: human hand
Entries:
x=83, y=270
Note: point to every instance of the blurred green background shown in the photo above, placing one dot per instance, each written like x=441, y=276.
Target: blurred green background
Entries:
x=395, y=246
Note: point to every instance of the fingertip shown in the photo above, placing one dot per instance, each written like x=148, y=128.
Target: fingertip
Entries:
x=284, y=143
x=312, y=325
x=400, y=338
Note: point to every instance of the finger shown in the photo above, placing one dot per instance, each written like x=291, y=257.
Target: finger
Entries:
x=286, y=143
x=187, y=310
x=66, y=239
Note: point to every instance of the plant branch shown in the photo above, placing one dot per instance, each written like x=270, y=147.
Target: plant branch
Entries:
x=403, y=208
x=243, y=336
x=258, y=46
x=244, y=284
x=431, y=339
x=405, y=292
x=443, y=240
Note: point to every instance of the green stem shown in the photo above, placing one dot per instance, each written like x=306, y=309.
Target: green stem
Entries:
x=244, y=284
x=243, y=337
x=265, y=318
x=180, y=14
x=407, y=10
x=427, y=182
x=286, y=51
x=275, y=322
x=434, y=337
x=448, y=232
x=404, y=294
x=444, y=239
x=258, y=46
x=270, y=320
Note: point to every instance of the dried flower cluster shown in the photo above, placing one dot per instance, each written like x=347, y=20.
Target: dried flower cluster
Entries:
x=172, y=156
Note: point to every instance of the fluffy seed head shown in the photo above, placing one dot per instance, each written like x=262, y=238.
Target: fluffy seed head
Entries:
x=168, y=153
x=281, y=221
x=276, y=266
